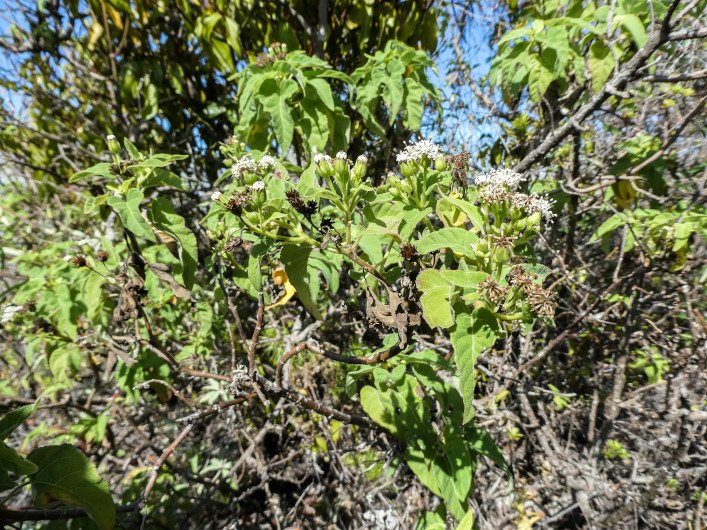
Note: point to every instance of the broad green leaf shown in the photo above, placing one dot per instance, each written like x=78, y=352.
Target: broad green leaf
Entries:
x=101, y=170
x=167, y=219
x=379, y=408
x=541, y=74
x=129, y=212
x=66, y=475
x=634, y=26
x=601, y=64
x=274, y=101
x=436, y=292
x=472, y=333
x=162, y=177
x=295, y=259
x=468, y=209
x=459, y=240
x=14, y=419
x=323, y=90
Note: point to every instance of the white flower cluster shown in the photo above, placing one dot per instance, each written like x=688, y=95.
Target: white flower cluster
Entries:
x=542, y=205
x=216, y=196
x=320, y=157
x=341, y=155
x=243, y=165
x=258, y=185
x=9, y=312
x=500, y=177
x=266, y=162
x=363, y=159
x=418, y=151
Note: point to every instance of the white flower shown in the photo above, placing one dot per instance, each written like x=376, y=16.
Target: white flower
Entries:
x=266, y=162
x=258, y=185
x=244, y=165
x=543, y=205
x=418, y=151
x=341, y=155
x=363, y=159
x=319, y=158
x=110, y=138
x=216, y=196
x=9, y=312
x=500, y=177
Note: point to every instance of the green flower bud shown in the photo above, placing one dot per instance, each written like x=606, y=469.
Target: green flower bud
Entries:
x=359, y=169
x=113, y=145
x=440, y=164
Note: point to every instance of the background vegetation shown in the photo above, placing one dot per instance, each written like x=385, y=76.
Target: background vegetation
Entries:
x=192, y=364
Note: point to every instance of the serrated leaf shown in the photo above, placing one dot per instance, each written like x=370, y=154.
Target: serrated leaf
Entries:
x=66, y=475
x=129, y=212
x=472, y=333
x=166, y=218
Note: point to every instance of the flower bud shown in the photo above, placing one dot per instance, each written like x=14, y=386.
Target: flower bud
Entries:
x=407, y=169
x=500, y=255
x=440, y=164
x=359, y=169
x=113, y=145
x=258, y=197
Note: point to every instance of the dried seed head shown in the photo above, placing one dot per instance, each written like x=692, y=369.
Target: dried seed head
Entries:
x=236, y=203
x=79, y=260
x=326, y=224
x=408, y=251
x=491, y=289
x=102, y=256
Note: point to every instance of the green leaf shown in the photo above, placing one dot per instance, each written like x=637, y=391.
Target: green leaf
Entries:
x=436, y=292
x=12, y=462
x=541, y=74
x=472, y=333
x=14, y=419
x=481, y=442
x=274, y=101
x=66, y=475
x=467, y=208
x=101, y=170
x=132, y=150
x=162, y=177
x=413, y=104
x=129, y=212
x=167, y=219
x=323, y=90
x=634, y=26
x=601, y=64
x=467, y=522
x=378, y=406
x=459, y=240
x=295, y=258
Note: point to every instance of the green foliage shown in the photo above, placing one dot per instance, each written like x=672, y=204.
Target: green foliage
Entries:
x=552, y=49
x=614, y=449
x=66, y=475
x=392, y=81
